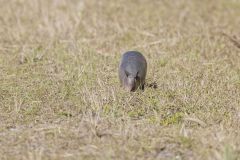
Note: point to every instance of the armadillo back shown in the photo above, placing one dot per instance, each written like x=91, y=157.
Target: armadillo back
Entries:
x=133, y=62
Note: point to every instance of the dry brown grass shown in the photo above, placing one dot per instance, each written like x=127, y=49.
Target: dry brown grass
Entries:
x=60, y=95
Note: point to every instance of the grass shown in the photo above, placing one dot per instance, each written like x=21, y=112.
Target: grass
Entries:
x=60, y=96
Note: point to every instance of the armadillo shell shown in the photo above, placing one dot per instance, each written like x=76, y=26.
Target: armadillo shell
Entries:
x=134, y=64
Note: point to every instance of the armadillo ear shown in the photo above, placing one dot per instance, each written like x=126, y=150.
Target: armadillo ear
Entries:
x=137, y=74
x=127, y=73
x=137, y=77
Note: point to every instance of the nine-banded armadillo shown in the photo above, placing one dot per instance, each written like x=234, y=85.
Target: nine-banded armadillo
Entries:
x=132, y=70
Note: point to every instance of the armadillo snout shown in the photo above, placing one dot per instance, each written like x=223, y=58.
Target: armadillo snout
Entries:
x=131, y=84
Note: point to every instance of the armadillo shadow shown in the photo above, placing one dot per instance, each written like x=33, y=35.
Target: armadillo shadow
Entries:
x=152, y=85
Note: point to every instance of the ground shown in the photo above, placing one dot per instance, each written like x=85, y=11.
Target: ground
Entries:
x=60, y=96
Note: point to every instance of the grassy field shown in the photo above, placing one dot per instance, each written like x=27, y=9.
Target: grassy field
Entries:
x=59, y=90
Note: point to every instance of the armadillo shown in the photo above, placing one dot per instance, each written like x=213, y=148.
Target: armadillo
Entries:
x=132, y=71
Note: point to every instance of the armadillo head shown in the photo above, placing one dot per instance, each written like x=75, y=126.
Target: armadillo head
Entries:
x=132, y=82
